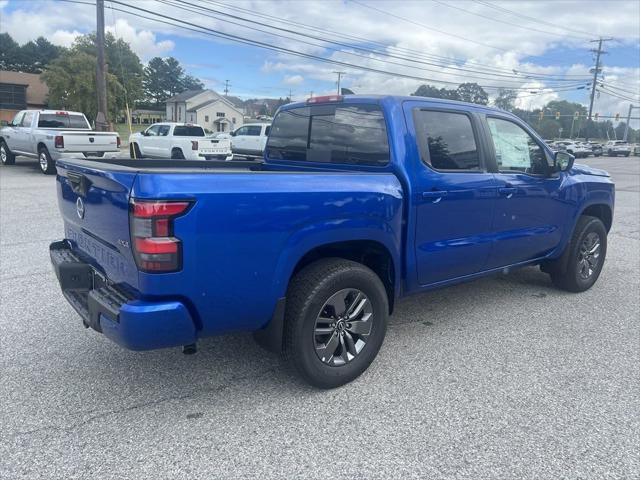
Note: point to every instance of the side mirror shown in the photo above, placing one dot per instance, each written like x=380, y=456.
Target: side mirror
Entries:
x=562, y=161
x=232, y=133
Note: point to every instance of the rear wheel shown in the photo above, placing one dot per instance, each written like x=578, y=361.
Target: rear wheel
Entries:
x=6, y=157
x=581, y=263
x=177, y=154
x=47, y=164
x=335, y=321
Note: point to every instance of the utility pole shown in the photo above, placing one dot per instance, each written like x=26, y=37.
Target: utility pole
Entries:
x=626, y=127
x=102, y=123
x=290, y=95
x=339, y=76
x=226, y=88
x=596, y=70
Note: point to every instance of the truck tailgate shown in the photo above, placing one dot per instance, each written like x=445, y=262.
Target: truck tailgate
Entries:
x=83, y=141
x=95, y=206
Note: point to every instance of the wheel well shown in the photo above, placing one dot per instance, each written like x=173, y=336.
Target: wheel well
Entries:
x=41, y=145
x=372, y=254
x=601, y=211
x=176, y=149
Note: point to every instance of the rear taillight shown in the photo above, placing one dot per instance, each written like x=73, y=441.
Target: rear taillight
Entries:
x=59, y=141
x=194, y=145
x=118, y=141
x=154, y=246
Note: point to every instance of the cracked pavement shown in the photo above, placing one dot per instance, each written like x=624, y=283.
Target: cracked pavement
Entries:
x=505, y=377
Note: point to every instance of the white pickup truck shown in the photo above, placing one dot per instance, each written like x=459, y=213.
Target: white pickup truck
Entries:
x=249, y=140
x=178, y=141
x=49, y=135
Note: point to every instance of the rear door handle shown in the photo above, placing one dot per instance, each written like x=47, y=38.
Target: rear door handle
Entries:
x=436, y=195
x=507, y=191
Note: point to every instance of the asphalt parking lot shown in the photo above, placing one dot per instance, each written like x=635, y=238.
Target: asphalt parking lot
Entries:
x=506, y=377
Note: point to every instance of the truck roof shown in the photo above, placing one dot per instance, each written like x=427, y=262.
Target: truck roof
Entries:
x=51, y=112
x=379, y=99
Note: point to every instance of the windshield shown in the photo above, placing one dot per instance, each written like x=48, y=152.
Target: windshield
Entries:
x=188, y=131
x=59, y=120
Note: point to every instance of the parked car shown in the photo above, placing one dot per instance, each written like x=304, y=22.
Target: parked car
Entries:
x=250, y=139
x=596, y=148
x=178, y=141
x=617, y=147
x=635, y=150
x=360, y=201
x=576, y=149
x=50, y=135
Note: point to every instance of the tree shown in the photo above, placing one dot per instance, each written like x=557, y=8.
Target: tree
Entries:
x=472, y=92
x=32, y=57
x=164, y=78
x=435, y=92
x=505, y=99
x=121, y=62
x=71, y=79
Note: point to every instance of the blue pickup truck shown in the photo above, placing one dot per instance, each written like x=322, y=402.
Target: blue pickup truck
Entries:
x=360, y=200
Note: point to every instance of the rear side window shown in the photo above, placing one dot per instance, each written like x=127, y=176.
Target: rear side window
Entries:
x=446, y=140
x=345, y=134
x=253, y=130
x=188, y=131
x=53, y=120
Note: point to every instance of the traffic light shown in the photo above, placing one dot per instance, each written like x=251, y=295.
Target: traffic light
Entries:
x=617, y=117
x=541, y=114
x=557, y=115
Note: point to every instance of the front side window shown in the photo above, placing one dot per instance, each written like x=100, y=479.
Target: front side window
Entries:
x=345, y=134
x=163, y=130
x=17, y=120
x=254, y=130
x=27, y=119
x=516, y=150
x=446, y=140
x=152, y=131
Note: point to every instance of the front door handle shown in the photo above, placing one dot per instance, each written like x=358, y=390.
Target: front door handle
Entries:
x=436, y=195
x=507, y=191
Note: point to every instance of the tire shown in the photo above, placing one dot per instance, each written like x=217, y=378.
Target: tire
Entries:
x=6, y=157
x=134, y=151
x=311, y=293
x=627, y=154
x=47, y=164
x=177, y=154
x=573, y=271
x=610, y=153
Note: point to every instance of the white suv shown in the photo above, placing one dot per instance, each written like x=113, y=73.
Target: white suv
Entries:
x=614, y=148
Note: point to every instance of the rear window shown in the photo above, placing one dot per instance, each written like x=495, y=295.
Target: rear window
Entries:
x=188, y=131
x=446, y=140
x=346, y=134
x=52, y=120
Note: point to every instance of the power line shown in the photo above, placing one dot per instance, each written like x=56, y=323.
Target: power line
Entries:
x=406, y=51
x=493, y=19
x=199, y=9
x=521, y=15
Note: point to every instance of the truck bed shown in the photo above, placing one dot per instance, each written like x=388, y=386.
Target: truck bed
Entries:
x=160, y=165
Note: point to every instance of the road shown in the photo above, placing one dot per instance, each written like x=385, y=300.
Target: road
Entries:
x=505, y=377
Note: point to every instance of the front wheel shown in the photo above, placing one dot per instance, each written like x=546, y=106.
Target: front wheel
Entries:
x=583, y=258
x=6, y=157
x=335, y=321
x=47, y=164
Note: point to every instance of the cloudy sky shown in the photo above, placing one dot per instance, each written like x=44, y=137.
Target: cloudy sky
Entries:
x=532, y=46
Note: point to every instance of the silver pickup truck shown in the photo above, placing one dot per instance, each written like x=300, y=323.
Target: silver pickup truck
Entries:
x=49, y=135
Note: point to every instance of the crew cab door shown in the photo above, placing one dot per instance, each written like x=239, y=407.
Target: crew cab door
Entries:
x=149, y=142
x=529, y=213
x=453, y=193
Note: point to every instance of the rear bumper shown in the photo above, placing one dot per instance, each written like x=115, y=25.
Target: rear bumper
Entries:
x=109, y=309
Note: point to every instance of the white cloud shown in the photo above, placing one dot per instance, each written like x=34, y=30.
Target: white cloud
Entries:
x=3, y=3
x=143, y=42
x=293, y=79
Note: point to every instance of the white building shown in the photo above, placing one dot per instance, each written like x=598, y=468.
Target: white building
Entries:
x=206, y=108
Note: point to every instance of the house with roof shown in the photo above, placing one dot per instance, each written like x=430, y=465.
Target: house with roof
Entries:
x=19, y=91
x=206, y=108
